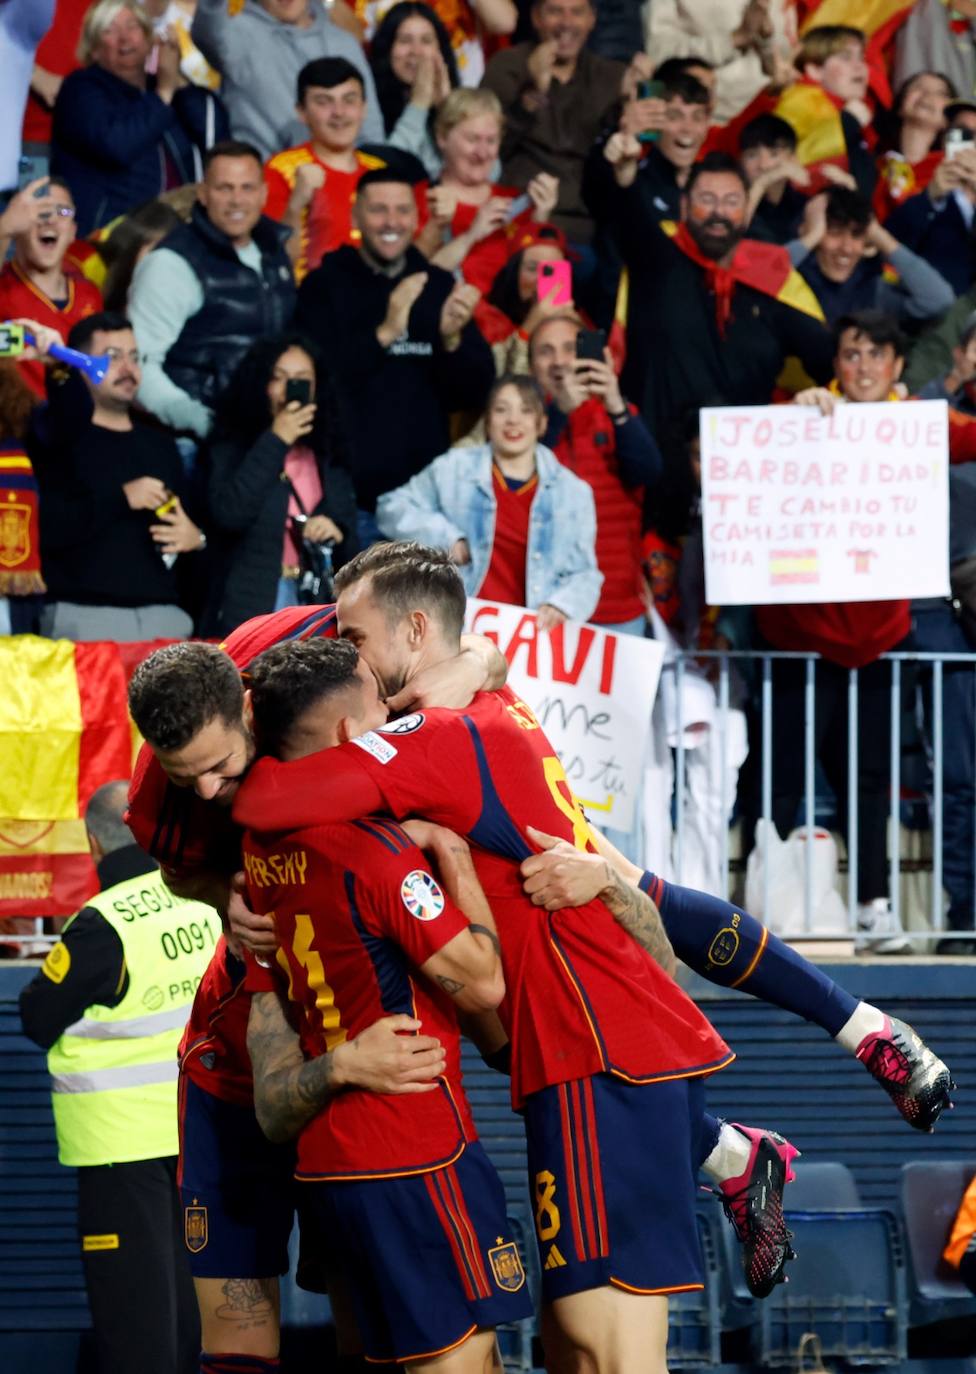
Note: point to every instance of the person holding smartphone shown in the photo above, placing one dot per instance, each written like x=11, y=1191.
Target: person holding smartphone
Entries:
x=276, y=477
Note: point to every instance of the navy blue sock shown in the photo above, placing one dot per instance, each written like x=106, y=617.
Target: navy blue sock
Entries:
x=238, y=1364
x=729, y=947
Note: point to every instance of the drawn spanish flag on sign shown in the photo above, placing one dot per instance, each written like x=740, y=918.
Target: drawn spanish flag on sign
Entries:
x=64, y=731
x=793, y=566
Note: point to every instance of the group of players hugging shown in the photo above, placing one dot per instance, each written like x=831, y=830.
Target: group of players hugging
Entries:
x=401, y=860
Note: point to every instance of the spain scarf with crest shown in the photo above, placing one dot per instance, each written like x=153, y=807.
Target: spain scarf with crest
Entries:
x=20, y=552
x=764, y=267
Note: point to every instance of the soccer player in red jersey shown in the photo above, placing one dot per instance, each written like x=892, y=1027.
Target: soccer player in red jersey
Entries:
x=611, y=1072
x=366, y=929
x=700, y=927
x=236, y=1187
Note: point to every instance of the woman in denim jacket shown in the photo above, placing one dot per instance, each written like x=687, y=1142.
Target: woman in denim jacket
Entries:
x=519, y=525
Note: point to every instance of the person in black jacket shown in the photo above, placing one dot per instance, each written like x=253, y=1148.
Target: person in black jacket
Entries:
x=271, y=460
x=397, y=336
x=115, y=538
x=121, y=137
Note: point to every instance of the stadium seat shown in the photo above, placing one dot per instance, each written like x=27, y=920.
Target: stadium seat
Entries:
x=821, y=1186
x=930, y=1197
x=847, y=1284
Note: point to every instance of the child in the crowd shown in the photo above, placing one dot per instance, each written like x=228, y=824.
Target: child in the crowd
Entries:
x=767, y=154
x=828, y=106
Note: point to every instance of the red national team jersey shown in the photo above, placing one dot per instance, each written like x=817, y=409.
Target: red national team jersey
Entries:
x=21, y=299
x=356, y=912
x=185, y=834
x=583, y=997
x=213, y=1051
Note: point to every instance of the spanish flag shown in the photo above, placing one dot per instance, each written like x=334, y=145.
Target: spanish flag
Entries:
x=764, y=267
x=64, y=731
x=815, y=119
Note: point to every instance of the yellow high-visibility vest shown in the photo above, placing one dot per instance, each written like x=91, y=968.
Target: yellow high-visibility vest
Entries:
x=113, y=1073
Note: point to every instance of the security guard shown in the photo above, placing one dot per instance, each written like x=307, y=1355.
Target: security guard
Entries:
x=109, y=1005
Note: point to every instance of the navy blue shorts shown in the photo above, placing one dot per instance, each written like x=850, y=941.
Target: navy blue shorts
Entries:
x=613, y=1178
x=237, y=1189
x=428, y=1258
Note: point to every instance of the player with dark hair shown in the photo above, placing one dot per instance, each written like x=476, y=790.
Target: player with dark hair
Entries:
x=188, y=701
x=432, y=746
x=393, y=1176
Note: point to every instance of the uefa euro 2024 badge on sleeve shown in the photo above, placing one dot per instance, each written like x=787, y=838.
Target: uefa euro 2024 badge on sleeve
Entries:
x=421, y=895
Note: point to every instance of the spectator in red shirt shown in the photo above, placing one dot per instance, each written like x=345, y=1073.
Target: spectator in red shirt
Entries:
x=515, y=306
x=36, y=283
x=466, y=205
x=520, y=527
x=599, y=437
x=311, y=188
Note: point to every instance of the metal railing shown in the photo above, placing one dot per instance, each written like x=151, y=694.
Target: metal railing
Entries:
x=764, y=702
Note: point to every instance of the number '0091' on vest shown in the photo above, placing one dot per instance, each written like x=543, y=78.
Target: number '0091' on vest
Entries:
x=114, y=1071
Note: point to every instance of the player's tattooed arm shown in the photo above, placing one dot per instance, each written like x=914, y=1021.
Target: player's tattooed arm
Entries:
x=289, y=1090
x=639, y=916
x=563, y=876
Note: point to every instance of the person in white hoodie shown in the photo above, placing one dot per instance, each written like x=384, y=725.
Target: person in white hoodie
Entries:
x=260, y=50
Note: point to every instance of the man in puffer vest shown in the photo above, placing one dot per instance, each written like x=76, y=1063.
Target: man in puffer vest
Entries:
x=109, y=1005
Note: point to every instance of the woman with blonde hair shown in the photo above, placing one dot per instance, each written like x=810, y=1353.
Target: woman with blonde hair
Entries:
x=469, y=213
x=128, y=125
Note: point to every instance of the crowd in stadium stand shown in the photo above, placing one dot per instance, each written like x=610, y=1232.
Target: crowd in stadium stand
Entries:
x=466, y=271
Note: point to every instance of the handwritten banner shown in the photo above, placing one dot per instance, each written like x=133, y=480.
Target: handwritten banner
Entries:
x=592, y=693
x=801, y=507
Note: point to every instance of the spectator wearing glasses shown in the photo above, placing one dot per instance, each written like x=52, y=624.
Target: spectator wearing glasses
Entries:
x=121, y=136
x=113, y=527
x=36, y=283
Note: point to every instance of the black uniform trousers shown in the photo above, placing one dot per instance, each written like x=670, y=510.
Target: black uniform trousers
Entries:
x=140, y=1289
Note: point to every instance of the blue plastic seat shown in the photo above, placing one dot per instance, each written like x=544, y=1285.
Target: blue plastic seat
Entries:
x=847, y=1284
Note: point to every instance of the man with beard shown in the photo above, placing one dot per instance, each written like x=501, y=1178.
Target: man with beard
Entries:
x=397, y=336
x=714, y=313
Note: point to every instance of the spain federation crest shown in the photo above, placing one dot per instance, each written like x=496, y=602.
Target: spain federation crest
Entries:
x=724, y=947
x=15, y=543
x=195, y=1229
x=506, y=1265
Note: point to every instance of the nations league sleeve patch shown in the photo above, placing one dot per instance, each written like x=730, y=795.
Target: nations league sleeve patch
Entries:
x=382, y=750
x=421, y=895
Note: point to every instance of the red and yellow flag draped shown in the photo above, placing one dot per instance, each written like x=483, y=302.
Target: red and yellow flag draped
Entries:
x=815, y=119
x=64, y=731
